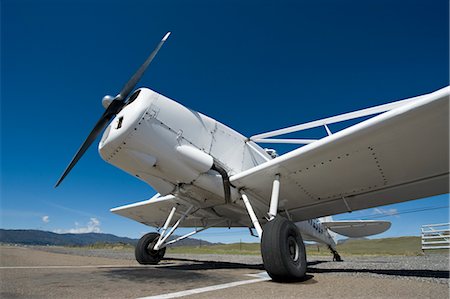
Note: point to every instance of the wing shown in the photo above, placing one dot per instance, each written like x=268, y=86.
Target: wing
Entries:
x=358, y=228
x=154, y=212
x=393, y=157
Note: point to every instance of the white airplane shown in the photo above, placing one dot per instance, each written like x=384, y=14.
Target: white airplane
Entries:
x=208, y=175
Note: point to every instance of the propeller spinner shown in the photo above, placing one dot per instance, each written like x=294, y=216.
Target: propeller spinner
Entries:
x=113, y=106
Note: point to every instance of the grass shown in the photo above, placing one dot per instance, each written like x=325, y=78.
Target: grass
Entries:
x=234, y=248
x=388, y=246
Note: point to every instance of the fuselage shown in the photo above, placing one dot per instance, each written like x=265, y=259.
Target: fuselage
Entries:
x=145, y=139
x=173, y=148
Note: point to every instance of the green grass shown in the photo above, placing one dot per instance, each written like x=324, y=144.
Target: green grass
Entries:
x=235, y=248
x=388, y=246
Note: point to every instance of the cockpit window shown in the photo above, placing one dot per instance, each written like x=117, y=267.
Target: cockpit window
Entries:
x=133, y=96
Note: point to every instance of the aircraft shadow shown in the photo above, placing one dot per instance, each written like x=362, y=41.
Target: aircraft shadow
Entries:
x=207, y=265
x=195, y=268
x=190, y=271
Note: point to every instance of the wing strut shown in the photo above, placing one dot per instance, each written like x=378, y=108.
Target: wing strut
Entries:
x=252, y=214
x=273, y=209
x=274, y=199
x=267, y=137
x=161, y=243
x=335, y=119
x=163, y=237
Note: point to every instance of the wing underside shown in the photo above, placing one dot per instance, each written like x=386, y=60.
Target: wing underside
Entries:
x=396, y=156
x=154, y=212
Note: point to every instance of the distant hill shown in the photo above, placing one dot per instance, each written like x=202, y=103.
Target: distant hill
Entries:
x=38, y=237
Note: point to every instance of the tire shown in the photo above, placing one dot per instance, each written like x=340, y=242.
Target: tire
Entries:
x=144, y=252
x=283, y=251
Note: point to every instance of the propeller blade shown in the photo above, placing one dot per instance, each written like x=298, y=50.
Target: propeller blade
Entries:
x=116, y=105
x=129, y=86
x=98, y=128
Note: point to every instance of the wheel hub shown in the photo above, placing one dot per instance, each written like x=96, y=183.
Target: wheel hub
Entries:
x=293, y=248
x=150, y=249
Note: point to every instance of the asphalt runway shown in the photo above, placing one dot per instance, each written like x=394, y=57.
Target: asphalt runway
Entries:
x=31, y=273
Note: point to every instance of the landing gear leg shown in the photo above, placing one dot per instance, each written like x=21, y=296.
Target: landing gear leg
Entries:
x=152, y=246
x=336, y=256
x=282, y=248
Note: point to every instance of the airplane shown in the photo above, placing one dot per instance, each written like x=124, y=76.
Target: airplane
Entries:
x=208, y=175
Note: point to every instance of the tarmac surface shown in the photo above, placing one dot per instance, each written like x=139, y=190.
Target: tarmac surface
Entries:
x=27, y=272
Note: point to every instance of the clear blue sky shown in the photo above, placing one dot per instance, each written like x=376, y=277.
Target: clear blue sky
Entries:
x=253, y=65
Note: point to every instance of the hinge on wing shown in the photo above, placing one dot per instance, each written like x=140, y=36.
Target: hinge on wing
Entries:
x=346, y=204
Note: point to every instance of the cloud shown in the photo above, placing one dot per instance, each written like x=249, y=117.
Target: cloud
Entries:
x=46, y=219
x=390, y=212
x=93, y=226
x=67, y=209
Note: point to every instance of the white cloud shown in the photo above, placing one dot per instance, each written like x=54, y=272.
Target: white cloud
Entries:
x=46, y=219
x=93, y=226
x=67, y=209
x=390, y=212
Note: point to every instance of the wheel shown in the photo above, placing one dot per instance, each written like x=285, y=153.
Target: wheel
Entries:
x=283, y=251
x=144, y=252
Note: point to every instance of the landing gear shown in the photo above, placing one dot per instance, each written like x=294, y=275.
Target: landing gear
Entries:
x=282, y=248
x=336, y=256
x=144, y=252
x=151, y=247
x=283, y=251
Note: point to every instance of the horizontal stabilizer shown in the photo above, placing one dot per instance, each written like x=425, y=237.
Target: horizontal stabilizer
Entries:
x=357, y=228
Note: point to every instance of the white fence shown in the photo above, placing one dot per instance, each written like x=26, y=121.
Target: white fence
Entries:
x=436, y=236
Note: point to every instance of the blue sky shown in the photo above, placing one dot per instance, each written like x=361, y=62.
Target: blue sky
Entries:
x=253, y=65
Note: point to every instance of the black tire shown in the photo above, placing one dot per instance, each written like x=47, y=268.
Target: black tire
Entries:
x=144, y=252
x=283, y=251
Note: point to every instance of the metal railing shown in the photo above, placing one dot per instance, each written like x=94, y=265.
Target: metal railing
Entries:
x=436, y=236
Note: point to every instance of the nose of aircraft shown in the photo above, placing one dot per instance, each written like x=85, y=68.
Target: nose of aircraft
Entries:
x=124, y=123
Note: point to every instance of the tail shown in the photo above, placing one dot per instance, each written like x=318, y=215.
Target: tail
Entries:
x=357, y=228
x=332, y=234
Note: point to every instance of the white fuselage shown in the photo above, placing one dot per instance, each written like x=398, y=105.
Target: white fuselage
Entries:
x=172, y=148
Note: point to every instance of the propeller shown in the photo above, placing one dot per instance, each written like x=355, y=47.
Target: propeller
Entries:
x=114, y=105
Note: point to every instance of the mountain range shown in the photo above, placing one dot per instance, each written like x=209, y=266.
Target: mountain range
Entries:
x=39, y=237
